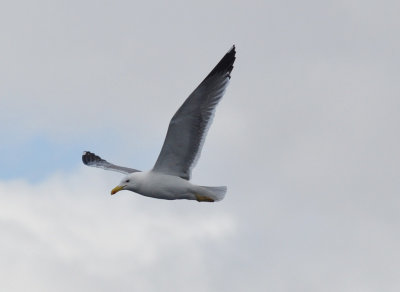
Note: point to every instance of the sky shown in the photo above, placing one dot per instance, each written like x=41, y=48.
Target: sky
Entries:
x=306, y=138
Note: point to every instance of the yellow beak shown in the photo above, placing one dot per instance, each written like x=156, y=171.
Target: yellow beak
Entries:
x=117, y=189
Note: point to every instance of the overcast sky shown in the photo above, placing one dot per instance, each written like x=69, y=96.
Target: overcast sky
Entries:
x=306, y=139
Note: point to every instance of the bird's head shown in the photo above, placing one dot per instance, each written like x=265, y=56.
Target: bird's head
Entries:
x=127, y=183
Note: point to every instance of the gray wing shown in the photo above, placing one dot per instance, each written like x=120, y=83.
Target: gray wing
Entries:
x=91, y=159
x=188, y=127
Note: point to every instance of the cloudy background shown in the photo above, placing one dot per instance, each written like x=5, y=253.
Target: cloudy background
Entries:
x=306, y=139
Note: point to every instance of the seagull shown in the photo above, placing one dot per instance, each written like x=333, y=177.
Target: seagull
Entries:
x=170, y=177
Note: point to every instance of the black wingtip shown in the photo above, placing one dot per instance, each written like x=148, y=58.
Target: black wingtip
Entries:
x=85, y=157
x=88, y=157
x=226, y=63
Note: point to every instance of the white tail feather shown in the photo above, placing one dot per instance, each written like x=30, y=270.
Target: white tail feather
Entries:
x=216, y=193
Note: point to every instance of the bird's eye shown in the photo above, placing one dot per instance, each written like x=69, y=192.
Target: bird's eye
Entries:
x=127, y=180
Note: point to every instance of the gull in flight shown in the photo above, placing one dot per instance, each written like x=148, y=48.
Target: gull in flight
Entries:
x=169, y=178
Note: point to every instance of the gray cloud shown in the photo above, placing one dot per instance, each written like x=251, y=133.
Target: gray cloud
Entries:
x=306, y=140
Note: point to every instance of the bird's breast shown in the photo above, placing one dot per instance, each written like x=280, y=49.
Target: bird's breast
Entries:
x=162, y=186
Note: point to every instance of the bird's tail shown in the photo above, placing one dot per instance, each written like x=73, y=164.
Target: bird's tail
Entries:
x=215, y=193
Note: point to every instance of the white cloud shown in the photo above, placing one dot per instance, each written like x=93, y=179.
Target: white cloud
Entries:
x=69, y=233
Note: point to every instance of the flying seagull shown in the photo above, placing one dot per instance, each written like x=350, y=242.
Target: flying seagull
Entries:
x=169, y=178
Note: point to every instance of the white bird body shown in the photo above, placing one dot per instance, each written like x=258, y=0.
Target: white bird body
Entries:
x=164, y=186
x=159, y=185
x=169, y=178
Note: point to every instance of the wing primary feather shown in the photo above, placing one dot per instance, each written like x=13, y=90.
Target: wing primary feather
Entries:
x=93, y=160
x=225, y=65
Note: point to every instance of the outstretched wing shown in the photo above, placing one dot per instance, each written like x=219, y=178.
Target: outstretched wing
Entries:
x=188, y=127
x=91, y=159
